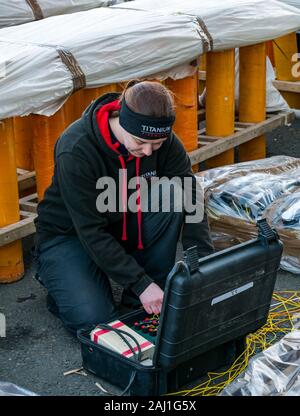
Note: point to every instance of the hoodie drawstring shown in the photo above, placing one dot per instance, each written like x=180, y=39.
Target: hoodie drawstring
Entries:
x=138, y=201
x=139, y=210
x=102, y=120
x=124, y=196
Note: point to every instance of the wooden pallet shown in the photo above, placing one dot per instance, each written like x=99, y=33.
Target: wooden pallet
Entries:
x=26, y=179
x=211, y=146
x=25, y=226
x=287, y=86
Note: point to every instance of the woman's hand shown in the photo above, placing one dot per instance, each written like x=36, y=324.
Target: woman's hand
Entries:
x=152, y=299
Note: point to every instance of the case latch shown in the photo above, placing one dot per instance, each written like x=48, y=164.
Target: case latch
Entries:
x=191, y=258
x=266, y=233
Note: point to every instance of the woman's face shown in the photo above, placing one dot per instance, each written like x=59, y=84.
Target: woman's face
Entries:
x=140, y=147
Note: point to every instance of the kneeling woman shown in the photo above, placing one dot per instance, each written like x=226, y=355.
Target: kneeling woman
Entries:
x=80, y=248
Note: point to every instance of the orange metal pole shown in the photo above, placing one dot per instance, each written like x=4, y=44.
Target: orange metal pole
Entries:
x=186, y=98
x=46, y=132
x=252, y=97
x=11, y=257
x=270, y=52
x=220, y=76
x=284, y=50
x=23, y=133
x=91, y=94
x=202, y=67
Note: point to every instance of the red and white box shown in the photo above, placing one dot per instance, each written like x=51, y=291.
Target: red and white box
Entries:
x=114, y=342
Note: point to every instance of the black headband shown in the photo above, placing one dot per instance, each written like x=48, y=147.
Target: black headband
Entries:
x=145, y=127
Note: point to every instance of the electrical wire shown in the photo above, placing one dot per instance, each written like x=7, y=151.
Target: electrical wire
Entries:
x=136, y=355
x=284, y=317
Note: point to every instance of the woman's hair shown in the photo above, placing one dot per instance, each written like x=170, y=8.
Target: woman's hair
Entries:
x=149, y=98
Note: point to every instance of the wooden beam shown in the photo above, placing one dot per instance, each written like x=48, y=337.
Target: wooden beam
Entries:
x=225, y=143
x=207, y=139
x=288, y=86
x=201, y=131
x=19, y=230
x=25, y=180
x=29, y=203
x=202, y=75
x=201, y=112
x=243, y=125
x=21, y=171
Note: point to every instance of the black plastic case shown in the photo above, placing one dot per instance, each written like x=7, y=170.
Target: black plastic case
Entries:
x=209, y=307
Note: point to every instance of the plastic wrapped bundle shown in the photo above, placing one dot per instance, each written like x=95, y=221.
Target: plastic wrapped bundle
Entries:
x=284, y=216
x=222, y=240
x=272, y=165
x=10, y=389
x=243, y=22
x=238, y=195
x=273, y=372
x=43, y=62
x=115, y=44
x=294, y=3
x=16, y=12
x=234, y=206
x=248, y=196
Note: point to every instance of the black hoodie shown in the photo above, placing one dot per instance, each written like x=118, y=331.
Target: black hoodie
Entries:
x=83, y=154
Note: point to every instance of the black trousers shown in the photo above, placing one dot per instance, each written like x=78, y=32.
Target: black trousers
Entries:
x=81, y=291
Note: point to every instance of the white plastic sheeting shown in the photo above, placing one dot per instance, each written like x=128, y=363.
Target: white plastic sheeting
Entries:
x=274, y=100
x=115, y=44
x=231, y=23
x=10, y=389
x=273, y=372
x=109, y=45
x=238, y=195
x=294, y=3
x=16, y=12
x=284, y=216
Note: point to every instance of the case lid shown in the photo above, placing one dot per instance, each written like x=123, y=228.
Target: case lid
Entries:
x=218, y=298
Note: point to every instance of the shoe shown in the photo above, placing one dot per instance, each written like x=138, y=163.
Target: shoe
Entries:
x=38, y=278
x=51, y=305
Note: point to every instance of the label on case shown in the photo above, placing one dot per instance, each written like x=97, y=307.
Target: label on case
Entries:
x=232, y=293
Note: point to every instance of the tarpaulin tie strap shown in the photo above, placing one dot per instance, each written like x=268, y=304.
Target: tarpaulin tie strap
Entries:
x=36, y=9
x=78, y=77
x=207, y=40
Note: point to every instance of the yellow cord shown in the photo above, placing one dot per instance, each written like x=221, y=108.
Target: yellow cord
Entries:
x=284, y=311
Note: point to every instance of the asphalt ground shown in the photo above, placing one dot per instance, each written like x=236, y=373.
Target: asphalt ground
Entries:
x=37, y=349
